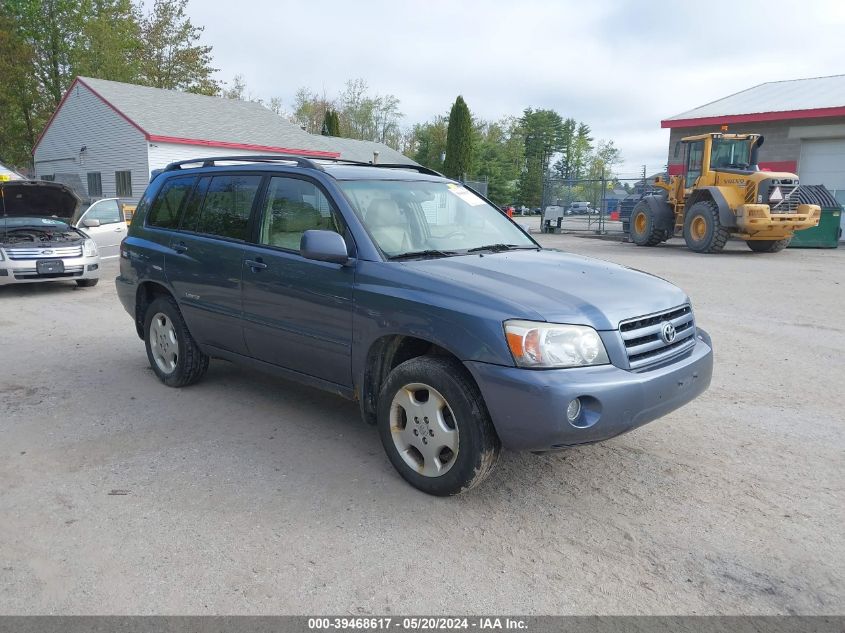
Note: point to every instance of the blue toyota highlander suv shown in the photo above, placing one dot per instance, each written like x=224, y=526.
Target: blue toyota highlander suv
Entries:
x=456, y=332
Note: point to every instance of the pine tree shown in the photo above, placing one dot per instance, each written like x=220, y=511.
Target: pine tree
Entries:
x=331, y=123
x=459, y=137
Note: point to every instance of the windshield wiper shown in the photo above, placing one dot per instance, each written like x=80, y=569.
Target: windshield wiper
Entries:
x=498, y=248
x=425, y=253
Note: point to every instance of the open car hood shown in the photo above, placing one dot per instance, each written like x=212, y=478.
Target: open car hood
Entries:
x=37, y=199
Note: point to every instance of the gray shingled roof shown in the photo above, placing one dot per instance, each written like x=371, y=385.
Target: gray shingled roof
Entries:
x=349, y=147
x=776, y=96
x=183, y=115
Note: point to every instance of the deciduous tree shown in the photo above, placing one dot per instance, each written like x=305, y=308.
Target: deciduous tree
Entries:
x=172, y=56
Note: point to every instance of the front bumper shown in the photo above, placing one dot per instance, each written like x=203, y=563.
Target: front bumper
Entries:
x=757, y=219
x=22, y=271
x=528, y=407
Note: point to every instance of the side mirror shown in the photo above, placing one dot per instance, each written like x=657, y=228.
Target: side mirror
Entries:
x=90, y=223
x=324, y=246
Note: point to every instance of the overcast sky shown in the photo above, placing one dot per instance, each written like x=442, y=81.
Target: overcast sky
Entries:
x=619, y=66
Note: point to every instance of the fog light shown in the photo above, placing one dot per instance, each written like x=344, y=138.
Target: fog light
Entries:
x=573, y=410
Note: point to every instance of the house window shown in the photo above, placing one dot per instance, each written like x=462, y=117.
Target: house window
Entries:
x=123, y=181
x=48, y=177
x=95, y=184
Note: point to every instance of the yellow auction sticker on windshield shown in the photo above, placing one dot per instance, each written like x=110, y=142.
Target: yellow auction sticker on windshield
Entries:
x=466, y=195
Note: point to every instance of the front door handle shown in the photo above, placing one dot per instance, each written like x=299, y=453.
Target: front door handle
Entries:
x=179, y=248
x=255, y=264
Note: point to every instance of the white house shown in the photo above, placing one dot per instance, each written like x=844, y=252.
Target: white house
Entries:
x=105, y=137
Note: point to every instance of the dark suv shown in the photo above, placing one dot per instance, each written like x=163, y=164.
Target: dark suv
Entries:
x=394, y=286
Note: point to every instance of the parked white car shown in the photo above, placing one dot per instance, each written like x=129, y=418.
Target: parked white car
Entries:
x=104, y=222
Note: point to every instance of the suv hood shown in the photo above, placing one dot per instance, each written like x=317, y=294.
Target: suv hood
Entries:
x=37, y=199
x=559, y=287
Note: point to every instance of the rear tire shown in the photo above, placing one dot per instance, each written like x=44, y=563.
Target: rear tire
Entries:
x=643, y=225
x=435, y=427
x=173, y=354
x=703, y=231
x=768, y=246
x=86, y=283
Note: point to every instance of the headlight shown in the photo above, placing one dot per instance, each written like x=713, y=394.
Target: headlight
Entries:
x=536, y=344
x=90, y=248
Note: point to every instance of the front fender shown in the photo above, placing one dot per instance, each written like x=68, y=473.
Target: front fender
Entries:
x=726, y=216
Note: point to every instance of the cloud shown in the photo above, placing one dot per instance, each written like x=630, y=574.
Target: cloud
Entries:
x=619, y=66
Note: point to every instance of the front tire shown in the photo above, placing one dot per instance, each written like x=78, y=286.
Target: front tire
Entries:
x=768, y=246
x=643, y=226
x=703, y=232
x=435, y=427
x=173, y=354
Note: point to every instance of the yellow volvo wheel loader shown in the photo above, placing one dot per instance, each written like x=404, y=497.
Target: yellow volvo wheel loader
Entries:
x=721, y=194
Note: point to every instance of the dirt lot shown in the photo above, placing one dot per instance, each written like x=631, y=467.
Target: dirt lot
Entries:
x=245, y=494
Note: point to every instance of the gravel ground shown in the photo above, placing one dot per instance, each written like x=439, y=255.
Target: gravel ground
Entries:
x=247, y=494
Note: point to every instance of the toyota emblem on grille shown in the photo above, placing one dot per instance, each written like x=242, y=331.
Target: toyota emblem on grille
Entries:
x=667, y=332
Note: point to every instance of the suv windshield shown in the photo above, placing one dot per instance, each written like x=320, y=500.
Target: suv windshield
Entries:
x=731, y=153
x=430, y=219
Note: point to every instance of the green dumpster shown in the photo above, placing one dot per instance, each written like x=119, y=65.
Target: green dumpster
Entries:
x=826, y=234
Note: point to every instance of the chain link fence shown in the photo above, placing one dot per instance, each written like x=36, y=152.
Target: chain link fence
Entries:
x=598, y=206
x=477, y=183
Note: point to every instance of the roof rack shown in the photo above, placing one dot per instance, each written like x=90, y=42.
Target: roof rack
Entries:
x=300, y=161
x=212, y=161
x=418, y=168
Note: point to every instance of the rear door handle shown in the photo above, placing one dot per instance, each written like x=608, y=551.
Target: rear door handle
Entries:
x=179, y=248
x=255, y=264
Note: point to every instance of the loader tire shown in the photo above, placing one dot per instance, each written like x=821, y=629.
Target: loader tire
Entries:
x=768, y=246
x=643, y=226
x=703, y=231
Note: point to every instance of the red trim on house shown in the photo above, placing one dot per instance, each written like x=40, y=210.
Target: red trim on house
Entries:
x=248, y=146
x=789, y=166
x=813, y=113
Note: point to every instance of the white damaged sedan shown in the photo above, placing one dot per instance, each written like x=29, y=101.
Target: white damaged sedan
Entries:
x=37, y=241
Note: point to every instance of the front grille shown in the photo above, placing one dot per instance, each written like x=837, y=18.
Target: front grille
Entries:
x=44, y=253
x=789, y=203
x=644, y=341
x=32, y=273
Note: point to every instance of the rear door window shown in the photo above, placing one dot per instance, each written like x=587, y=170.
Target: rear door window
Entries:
x=226, y=206
x=165, y=210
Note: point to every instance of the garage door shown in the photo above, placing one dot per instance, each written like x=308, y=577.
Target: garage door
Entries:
x=823, y=163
